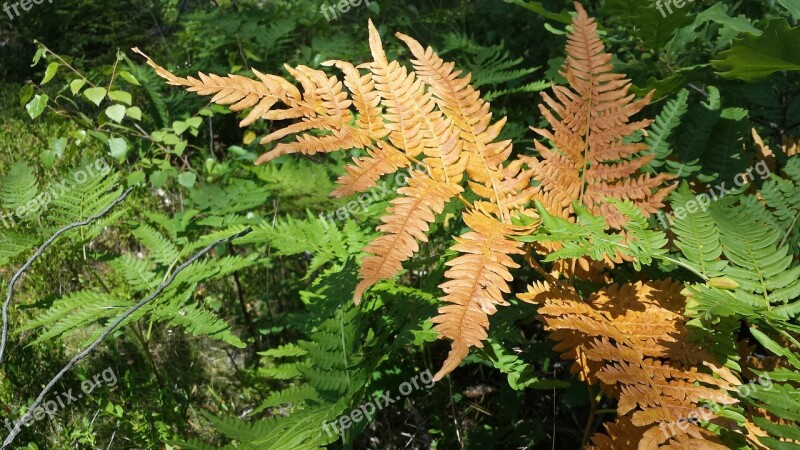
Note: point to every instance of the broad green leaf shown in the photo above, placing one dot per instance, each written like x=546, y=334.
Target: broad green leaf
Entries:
x=792, y=6
x=134, y=112
x=95, y=95
x=158, y=178
x=187, y=179
x=179, y=126
x=55, y=150
x=125, y=75
x=75, y=86
x=195, y=122
x=121, y=96
x=539, y=9
x=135, y=178
x=25, y=94
x=50, y=72
x=36, y=106
x=118, y=148
x=752, y=58
x=116, y=113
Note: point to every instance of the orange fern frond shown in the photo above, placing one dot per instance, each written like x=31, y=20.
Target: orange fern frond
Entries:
x=462, y=103
x=366, y=170
x=478, y=278
x=632, y=340
x=406, y=222
x=589, y=120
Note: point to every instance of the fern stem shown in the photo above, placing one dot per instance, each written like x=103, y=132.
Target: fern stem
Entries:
x=587, y=431
x=148, y=355
x=684, y=265
x=83, y=354
x=39, y=252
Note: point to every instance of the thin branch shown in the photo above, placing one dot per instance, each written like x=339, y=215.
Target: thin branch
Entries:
x=39, y=252
x=109, y=330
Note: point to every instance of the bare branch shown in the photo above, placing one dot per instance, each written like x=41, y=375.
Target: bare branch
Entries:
x=109, y=330
x=39, y=252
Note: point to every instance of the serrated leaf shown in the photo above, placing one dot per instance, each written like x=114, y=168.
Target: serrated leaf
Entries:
x=120, y=96
x=116, y=113
x=75, y=86
x=134, y=112
x=118, y=148
x=36, y=106
x=95, y=95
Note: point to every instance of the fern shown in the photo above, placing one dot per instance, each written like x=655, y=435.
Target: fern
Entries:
x=664, y=125
x=161, y=250
x=18, y=187
x=697, y=237
x=492, y=66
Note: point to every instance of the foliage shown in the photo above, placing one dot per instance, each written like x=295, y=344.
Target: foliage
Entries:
x=644, y=249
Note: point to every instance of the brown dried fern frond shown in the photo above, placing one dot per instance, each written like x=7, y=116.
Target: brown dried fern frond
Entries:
x=590, y=119
x=428, y=117
x=478, y=278
x=632, y=340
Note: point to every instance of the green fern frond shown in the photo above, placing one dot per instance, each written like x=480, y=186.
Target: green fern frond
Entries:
x=762, y=270
x=18, y=186
x=197, y=322
x=587, y=237
x=160, y=248
x=74, y=200
x=75, y=312
x=295, y=395
x=135, y=271
x=663, y=127
x=14, y=244
x=782, y=197
x=284, y=351
x=696, y=235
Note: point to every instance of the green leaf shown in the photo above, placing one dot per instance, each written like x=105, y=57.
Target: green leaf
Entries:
x=25, y=94
x=752, y=58
x=792, y=6
x=179, y=126
x=118, y=148
x=95, y=95
x=134, y=112
x=36, y=106
x=135, y=178
x=125, y=75
x=538, y=8
x=195, y=122
x=75, y=86
x=50, y=72
x=56, y=149
x=121, y=96
x=116, y=113
x=158, y=178
x=187, y=179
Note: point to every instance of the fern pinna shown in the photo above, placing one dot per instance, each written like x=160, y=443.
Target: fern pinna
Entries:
x=631, y=338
